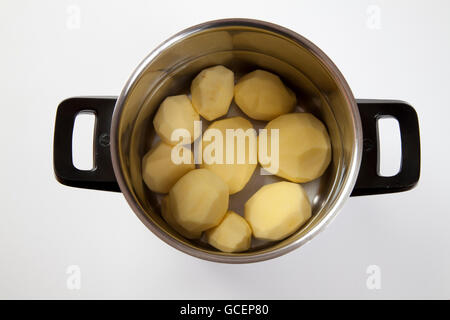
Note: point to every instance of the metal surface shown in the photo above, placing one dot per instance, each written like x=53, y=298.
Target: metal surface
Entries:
x=242, y=45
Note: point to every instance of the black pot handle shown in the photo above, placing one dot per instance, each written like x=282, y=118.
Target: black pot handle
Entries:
x=102, y=176
x=369, y=181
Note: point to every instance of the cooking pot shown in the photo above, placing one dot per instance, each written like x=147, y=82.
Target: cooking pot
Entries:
x=123, y=131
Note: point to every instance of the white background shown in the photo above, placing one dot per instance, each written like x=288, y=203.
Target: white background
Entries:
x=46, y=227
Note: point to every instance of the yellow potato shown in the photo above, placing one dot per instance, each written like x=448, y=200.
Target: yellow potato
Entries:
x=262, y=96
x=304, y=146
x=212, y=92
x=159, y=172
x=175, y=112
x=233, y=234
x=167, y=215
x=235, y=174
x=277, y=210
x=199, y=200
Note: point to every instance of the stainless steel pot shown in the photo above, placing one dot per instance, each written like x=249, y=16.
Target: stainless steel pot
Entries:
x=124, y=131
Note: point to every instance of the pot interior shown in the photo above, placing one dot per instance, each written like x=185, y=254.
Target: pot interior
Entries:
x=241, y=46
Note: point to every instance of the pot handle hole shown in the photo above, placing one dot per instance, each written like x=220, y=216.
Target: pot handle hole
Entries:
x=101, y=176
x=369, y=180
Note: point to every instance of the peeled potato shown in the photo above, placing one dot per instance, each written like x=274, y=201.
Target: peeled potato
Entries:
x=262, y=96
x=304, y=146
x=212, y=92
x=167, y=215
x=175, y=112
x=199, y=200
x=159, y=171
x=233, y=234
x=235, y=174
x=277, y=210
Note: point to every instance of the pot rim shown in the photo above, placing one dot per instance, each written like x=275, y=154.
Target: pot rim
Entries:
x=349, y=179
